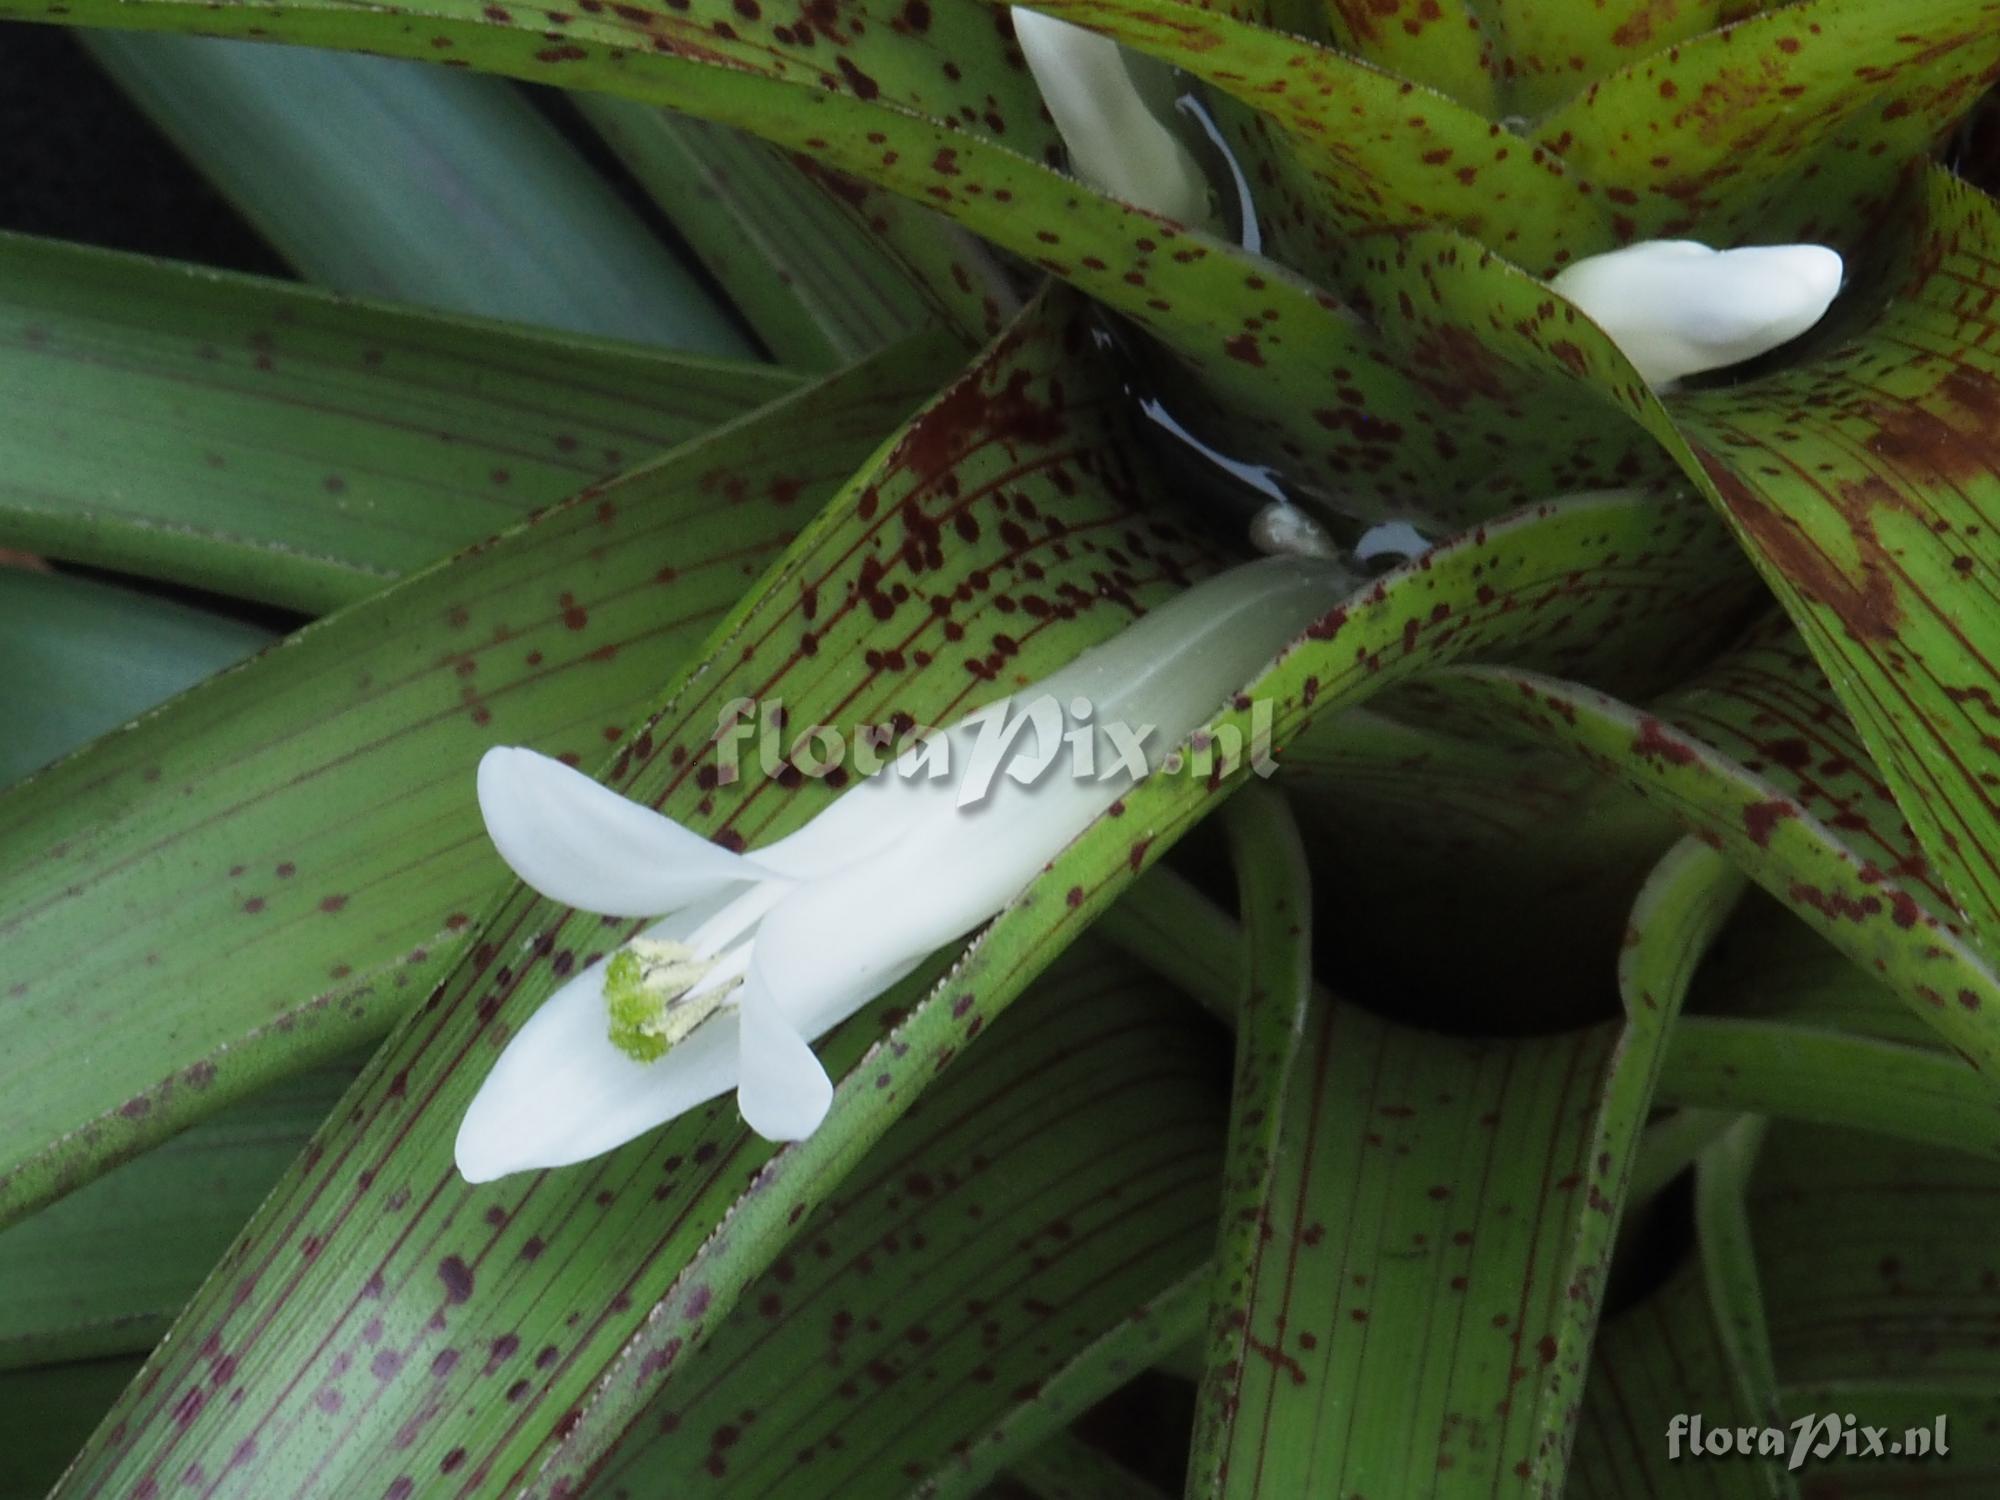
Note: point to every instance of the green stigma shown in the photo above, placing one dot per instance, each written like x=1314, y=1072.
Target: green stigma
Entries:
x=646, y=988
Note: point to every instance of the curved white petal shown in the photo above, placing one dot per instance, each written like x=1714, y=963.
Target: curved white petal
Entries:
x=860, y=821
x=562, y=1093
x=1117, y=143
x=584, y=845
x=838, y=941
x=833, y=946
x=1397, y=539
x=784, y=1093
x=1677, y=308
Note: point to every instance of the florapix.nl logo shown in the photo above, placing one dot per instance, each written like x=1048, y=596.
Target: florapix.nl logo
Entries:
x=1025, y=740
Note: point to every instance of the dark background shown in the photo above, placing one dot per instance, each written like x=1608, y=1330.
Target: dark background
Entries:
x=79, y=163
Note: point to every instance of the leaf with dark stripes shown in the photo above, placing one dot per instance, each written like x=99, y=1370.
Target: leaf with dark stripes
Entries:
x=276, y=443
x=280, y=863
x=1802, y=860
x=1864, y=484
x=373, y=1237
x=1044, y=1192
x=1422, y=407
x=1425, y=1242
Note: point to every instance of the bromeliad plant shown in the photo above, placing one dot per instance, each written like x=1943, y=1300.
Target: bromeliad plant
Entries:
x=801, y=1128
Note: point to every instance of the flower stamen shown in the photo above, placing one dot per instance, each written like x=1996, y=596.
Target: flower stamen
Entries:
x=658, y=990
x=649, y=991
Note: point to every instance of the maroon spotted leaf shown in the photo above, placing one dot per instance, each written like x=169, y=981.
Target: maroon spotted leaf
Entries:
x=1864, y=483
x=280, y=864
x=1053, y=1184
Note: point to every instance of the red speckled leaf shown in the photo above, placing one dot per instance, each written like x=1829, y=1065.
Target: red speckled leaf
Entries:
x=1796, y=124
x=1393, y=1195
x=1408, y=415
x=271, y=442
x=1788, y=850
x=1048, y=1188
x=1039, y=1413
x=277, y=865
x=1379, y=154
x=1547, y=51
x=1441, y=43
x=1000, y=534
x=1787, y=1026
x=1767, y=705
x=354, y=1304
x=1866, y=484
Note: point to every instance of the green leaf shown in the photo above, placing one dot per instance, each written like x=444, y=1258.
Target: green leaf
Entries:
x=819, y=288
x=275, y=443
x=282, y=862
x=104, y=1271
x=1547, y=51
x=1797, y=123
x=1827, y=1077
x=1863, y=484
x=1165, y=921
x=1729, y=1260
x=1661, y=1358
x=1051, y=1186
x=1416, y=1189
x=1484, y=395
x=1041, y=1413
x=83, y=657
x=854, y=625
x=1273, y=1012
x=988, y=493
x=1790, y=1027
x=1795, y=854
x=416, y=184
x=1879, y=1279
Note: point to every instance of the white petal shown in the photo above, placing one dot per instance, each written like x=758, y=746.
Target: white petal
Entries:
x=1677, y=308
x=562, y=1093
x=1117, y=142
x=855, y=825
x=1391, y=539
x=843, y=938
x=784, y=1092
x=833, y=946
x=584, y=845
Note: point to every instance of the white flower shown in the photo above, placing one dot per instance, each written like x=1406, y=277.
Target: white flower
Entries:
x=1113, y=108
x=1677, y=308
x=759, y=952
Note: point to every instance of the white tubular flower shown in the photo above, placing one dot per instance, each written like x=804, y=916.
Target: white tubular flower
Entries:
x=1113, y=108
x=1678, y=308
x=759, y=952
